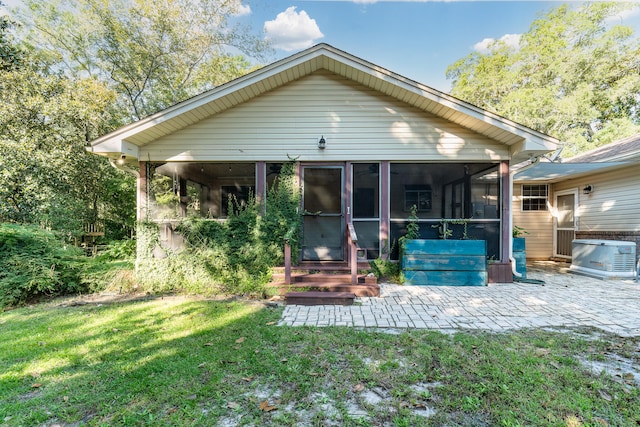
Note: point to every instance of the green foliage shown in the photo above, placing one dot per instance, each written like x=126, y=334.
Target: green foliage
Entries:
x=36, y=263
x=282, y=217
x=413, y=228
x=47, y=176
x=153, y=54
x=386, y=270
x=518, y=231
x=230, y=257
x=573, y=75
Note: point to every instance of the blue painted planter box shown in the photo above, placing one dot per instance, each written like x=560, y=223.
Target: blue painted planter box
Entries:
x=445, y=262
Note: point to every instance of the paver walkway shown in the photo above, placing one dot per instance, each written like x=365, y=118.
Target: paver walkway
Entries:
x=565, y=300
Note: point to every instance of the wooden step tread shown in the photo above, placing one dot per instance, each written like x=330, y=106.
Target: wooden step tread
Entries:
x=320, y=298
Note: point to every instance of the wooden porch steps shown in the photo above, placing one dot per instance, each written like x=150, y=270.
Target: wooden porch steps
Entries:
x=320, y=298
x=326, y=279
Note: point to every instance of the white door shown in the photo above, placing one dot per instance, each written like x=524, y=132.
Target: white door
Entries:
x=566, y=206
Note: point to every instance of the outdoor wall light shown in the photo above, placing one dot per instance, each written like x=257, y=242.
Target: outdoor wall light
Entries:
x=322, y=143
x=122, y=159
x=588, y=189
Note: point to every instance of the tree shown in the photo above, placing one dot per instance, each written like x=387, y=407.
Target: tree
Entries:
x=153, y=54
x=573, y=75
x=46, y=176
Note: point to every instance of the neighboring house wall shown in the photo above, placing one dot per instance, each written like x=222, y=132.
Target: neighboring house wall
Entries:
x=614, y=203
x=539, y=225
x=612, y=210
x=365, y=125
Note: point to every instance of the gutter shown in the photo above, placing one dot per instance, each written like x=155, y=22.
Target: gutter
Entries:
x=121, y=165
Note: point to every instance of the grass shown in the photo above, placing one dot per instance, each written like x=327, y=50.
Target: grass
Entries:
x=180, y=361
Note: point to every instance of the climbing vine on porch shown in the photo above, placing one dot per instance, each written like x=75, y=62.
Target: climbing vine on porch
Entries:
x=231, y=257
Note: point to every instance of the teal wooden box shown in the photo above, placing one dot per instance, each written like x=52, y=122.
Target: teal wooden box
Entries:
x=445, y=262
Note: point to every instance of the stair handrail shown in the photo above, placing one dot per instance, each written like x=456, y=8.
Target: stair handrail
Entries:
x=353, y=244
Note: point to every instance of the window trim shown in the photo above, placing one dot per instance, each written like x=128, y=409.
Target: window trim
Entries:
x=542, y=200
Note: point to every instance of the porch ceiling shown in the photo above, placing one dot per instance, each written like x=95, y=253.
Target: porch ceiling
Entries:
x=524, y=142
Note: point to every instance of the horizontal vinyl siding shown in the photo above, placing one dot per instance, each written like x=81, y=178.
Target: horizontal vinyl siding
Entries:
x=358, y=123
x=539, y=225
x=614, y=204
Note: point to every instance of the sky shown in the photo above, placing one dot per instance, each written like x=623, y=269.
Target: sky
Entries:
x=416, y=39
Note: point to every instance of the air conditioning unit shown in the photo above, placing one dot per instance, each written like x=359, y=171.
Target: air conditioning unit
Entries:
x=604, y=259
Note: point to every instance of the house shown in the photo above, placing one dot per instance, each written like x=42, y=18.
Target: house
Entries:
x=370, y=145
x=594, y=195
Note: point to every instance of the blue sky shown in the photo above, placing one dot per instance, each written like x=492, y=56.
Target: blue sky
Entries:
x=417, y=39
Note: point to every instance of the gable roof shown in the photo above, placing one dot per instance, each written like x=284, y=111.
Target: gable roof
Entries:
x=624, y=149
x=523, y=142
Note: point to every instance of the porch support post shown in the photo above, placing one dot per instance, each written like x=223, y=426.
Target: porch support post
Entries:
x=384, y=209
x=261, y=185
x=505, y=232
x=141, y=197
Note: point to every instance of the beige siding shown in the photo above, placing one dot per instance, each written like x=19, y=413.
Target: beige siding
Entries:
x=358, y=123
x=614, y=205
x=539, y=225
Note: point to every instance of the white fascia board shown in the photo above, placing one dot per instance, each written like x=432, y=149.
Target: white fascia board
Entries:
x=115, y=149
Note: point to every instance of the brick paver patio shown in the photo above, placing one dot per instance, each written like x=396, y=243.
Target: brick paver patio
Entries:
x=565, y=300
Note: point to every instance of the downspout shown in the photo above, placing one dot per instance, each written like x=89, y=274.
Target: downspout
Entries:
x=512, y=173
x=512, y=260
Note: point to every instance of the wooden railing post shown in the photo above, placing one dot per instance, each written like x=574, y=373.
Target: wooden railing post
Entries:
x=353, y=249
x=287, y=262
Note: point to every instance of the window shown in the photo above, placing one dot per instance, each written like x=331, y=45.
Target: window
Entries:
x=418, y=195
x=535, y=197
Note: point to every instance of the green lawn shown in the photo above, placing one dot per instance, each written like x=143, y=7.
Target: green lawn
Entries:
x=179, y=361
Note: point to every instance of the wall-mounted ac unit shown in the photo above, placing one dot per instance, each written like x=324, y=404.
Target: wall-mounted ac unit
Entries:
x=604, y=259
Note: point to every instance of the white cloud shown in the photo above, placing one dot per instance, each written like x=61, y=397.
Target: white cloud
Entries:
x=292, y=30
x=243, y=10
x=485, y=46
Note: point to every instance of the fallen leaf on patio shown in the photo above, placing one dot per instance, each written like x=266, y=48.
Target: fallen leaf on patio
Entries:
x=36, y=385
x=357, y=388
x=232, y=405
x=265, y=407
x=606, y=396
x=270, y=323
x=240, y=340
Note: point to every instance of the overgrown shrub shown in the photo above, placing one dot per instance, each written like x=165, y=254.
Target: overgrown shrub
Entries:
x=35, y=263
x=231, y=257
